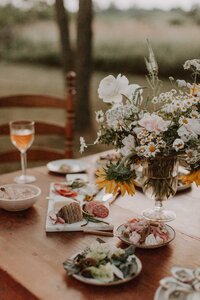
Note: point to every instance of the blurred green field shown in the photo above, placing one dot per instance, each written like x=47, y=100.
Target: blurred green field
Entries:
x=119, y=39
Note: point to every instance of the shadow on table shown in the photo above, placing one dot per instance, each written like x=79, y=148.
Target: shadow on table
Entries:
x=14, y=220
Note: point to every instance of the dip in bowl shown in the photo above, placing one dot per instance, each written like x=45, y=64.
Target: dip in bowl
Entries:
x=16, y=197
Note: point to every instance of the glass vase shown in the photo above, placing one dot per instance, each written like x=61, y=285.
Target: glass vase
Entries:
x=159, y=182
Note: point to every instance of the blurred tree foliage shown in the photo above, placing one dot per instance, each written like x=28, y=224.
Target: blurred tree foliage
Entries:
x=109, y=54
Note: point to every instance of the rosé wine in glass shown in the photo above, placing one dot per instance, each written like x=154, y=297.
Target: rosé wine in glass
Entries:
x=22, y=136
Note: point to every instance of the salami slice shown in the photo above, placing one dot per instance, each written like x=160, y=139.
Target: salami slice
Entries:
x=88, y=207
x=100, y=211
x=64, y=190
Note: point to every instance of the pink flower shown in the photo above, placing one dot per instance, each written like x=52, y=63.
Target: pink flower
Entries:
x=154, y=123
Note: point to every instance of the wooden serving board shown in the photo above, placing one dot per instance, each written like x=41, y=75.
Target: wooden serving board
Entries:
x=50, y=227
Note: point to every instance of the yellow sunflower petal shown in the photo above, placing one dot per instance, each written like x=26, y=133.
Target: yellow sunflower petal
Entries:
x=100, y=179
x=128, y=189
x=191, y=177
x=122, y=188
x=116, y=189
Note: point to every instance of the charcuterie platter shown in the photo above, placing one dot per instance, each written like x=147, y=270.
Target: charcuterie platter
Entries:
x=76, y=205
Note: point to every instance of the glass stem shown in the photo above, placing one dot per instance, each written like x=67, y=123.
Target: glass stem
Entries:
x=158, y=205
x=23, y=163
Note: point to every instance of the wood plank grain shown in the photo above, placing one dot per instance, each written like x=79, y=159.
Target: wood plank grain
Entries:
x=8, y=288
x=23, y=100
x=33, y=259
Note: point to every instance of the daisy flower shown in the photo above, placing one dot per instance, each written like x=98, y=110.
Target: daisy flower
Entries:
x=82, y=144
x=99, y=116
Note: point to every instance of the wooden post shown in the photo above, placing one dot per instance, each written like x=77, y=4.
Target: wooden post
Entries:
x=70, y=114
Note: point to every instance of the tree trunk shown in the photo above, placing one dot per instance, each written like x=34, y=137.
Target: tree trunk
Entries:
x=83, y=65
x=63, y=25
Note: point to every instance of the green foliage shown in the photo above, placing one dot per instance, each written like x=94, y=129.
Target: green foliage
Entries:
x=115, y=50
x=11, y=15
x=177, y=21
x=119, y=172
x=194, y=14
x=22, y=50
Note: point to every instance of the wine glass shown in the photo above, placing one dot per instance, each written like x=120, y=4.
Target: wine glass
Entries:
x=160, y=180
x=22, y=136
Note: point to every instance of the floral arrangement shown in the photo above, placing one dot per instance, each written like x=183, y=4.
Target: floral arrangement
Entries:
x=139, y=128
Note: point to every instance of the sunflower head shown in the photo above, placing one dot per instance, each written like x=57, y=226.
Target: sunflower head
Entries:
x=115, y=178
x=191, y=177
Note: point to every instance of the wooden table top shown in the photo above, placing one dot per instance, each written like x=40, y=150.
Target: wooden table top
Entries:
x=31, y=260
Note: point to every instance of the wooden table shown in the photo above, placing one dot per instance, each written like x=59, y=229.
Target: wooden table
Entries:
x=31, y=260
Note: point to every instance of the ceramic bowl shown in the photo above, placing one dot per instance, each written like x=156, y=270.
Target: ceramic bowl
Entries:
x=26, y=196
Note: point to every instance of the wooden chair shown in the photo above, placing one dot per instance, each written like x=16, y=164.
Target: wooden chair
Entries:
x=44, y=128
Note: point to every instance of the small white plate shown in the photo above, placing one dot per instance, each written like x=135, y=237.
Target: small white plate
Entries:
x=119, y=234
x=93, y=281
x=174, y=289
x=64, y=166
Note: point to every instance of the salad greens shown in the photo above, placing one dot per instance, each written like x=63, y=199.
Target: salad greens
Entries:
x=103, y=262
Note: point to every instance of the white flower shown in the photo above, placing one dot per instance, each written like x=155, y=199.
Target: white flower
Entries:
x=183, y=120
x=99, y=116
x=82, y=144
x=131, y=90
x=184, y=133
x=98, y=137
x=153, y=122
x=189, y=85
x=116, y=116
x=178, y=144
x=189, y=131
x=160, y=143
x=194, y=114
x=129, y=145
x=188, y=102
x=193, y=126
x=155, y=100
x=183, y=108
x=192, y=156
x=181, y=83
x=192, y=63
x=111, y=89
x=151, y=149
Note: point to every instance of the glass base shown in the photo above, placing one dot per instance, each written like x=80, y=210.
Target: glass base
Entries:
x=24, y=179
x=158, y=215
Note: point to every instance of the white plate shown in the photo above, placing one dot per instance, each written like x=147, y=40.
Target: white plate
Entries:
x=93, y=281
x=177, y=290
x=119, y=230
x=72, y=166
x=161, y=295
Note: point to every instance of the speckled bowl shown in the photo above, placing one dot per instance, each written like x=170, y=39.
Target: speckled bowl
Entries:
x=20, y=204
